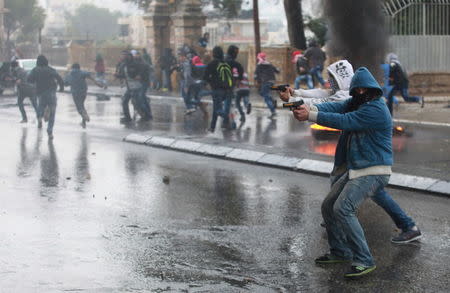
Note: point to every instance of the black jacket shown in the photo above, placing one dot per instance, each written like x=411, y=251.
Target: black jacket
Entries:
x=212, y=76
x=397, y=77
x=316, y=56
x=302, y=66
x=45, y=78
x=265, y=72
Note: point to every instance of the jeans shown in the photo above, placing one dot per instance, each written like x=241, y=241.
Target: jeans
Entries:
x=345, y=234
x=48, y=99
x=390, y=206
x=194, y=93
x=404, y=92
x=316, y=72
x=219, y=96
x=242, y=94
x=20, y=98
x=265, y=93
x=79, y=99
x=304, y=77
x=100, y=77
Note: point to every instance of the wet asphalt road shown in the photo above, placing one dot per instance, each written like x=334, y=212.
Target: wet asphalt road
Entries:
x=421, y=150
x=89, y=213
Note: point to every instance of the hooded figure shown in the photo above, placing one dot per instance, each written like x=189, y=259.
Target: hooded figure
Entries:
x=363, y=159
x=398, y=82
x=217, y=53
x=340, y=75
x=46, y=80
x=218, y=74
x=236, y=67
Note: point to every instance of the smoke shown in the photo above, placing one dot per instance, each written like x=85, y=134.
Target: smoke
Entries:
x=357, y=32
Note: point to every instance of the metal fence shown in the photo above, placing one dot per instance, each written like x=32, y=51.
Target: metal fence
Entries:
x=420, y=33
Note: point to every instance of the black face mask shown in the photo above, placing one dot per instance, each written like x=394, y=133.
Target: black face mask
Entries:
x=357, y=100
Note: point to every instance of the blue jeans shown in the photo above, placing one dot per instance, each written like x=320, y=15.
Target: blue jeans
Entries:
x=390, y=206
x=219, y=96
x=316, y=72
x=47, y=99
x=265, y=93
x=304, y=77
x=404, y=92
x=345, y=234
x=193, y=96
x=242, y=94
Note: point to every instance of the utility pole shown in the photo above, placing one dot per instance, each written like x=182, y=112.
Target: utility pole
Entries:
x=256, y=27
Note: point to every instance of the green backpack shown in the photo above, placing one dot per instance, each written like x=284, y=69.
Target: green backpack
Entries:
x=225, y=75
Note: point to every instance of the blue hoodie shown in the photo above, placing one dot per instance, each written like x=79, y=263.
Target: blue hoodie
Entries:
x=366, y=140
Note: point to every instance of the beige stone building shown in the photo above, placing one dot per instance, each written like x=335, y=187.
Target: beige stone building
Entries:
x=133, y=31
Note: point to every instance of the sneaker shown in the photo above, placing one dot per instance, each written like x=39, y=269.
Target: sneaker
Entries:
x=273, y=115
x=249, y=108
x=422, y=102
x=50, y=136
x=40, y=123
x=211, y=130
x=24, y=121
x=330, y=259
x=125, y=120
x=242, y=119
x=408, y=236
x=358, y=271
x=83, y=123
x=189, y=111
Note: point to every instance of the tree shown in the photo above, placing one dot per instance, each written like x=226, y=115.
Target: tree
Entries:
x=24, y=16
x=294, y=17
x=318, y=27
x=92, y=22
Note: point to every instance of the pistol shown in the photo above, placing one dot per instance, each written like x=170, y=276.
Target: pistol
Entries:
x=280, y=88
x=293, y=105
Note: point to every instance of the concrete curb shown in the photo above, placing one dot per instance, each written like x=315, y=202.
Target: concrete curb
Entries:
x=279, y=161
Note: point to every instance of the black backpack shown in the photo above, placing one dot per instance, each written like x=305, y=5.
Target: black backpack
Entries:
x=225, y=75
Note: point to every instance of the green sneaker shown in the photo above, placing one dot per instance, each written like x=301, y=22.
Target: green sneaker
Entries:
x=329, y=259
x=358, y=271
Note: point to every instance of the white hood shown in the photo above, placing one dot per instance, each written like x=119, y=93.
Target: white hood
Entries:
x=342, y=71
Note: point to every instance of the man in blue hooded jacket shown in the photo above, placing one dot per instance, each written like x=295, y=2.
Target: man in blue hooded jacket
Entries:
x=362, y=167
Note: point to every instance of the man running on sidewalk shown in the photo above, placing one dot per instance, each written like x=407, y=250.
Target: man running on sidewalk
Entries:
x=46, y=80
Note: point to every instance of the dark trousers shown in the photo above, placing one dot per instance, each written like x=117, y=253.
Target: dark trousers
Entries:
x=220, y=96
x=143, y=101
x=21, y=95
x=242, y=94
x=78, y=99
x=48, y=99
